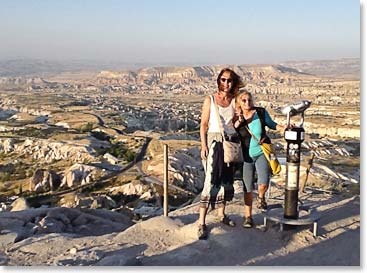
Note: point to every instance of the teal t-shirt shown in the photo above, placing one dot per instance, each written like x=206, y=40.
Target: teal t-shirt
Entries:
x=255, y=127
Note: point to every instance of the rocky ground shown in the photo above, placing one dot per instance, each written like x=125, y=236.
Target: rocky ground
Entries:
x=98, y=237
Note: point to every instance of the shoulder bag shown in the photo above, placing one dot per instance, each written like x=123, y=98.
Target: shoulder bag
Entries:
x=231, y=146
x=269, y=153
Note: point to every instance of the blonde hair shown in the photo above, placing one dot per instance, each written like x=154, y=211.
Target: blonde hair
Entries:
x=239, y=94
x=243, y=92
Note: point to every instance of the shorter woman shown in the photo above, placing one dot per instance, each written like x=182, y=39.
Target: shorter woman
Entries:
x=252, y=120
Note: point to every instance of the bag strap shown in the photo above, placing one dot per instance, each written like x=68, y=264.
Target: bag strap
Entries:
x=218, y=117
x=261, y=114
x=248, y=129
x=259, y=142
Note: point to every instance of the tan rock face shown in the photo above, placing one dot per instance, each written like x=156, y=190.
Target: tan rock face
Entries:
x=79, y=174
x=20, y=204
x=26, y=223
x=7, y=145
x=189, y=75
x=48, y=151
x=133, y=188
x=187, y=168
x=44, y=180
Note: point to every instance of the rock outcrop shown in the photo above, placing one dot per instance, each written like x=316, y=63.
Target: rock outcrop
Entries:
x=73, y=200
x=44, y=180
x=19, y=204
x=7, y=145
x=48, y=151
x=79, y=174
x=27, y=223
x=187, y=169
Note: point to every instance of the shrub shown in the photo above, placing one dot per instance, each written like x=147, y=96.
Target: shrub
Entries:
x=4, y=177
x=129, y=156
x=86, y=127
x=100, y=136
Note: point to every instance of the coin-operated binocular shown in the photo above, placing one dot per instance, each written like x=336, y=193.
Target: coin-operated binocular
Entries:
x=294, y=136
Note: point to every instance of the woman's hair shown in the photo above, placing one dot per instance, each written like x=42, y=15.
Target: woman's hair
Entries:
x=236, y=80
x=239, y=94
x=243, y=92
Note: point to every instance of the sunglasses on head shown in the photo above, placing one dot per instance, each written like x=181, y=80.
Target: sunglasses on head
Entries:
x=223, y=80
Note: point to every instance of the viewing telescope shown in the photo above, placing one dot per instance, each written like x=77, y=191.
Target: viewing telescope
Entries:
x=291, y=213
x=295, y=109
x=294, y=135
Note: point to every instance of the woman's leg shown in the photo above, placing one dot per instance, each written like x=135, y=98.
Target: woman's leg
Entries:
x=220, y=211
x=202, y=232
x=223, y=218
x=248, y=204
x=202, y=215
x=263, y=174
x=205, y=194
x=248, y=178
x=262, y=188
x=248, y=222
x=226, y=190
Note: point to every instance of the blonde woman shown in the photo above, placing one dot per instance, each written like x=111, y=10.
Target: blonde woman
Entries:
x=254, y=119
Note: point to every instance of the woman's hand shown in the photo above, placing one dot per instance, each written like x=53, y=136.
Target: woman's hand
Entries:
x=239, y=118
x=204, y=152
x=290, y=126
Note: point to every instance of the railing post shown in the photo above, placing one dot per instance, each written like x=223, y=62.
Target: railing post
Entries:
x=165, y=180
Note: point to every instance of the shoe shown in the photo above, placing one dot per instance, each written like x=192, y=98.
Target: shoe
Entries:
x=248, y=223
x=202, y=232
x=227, y=221
x=261, y=204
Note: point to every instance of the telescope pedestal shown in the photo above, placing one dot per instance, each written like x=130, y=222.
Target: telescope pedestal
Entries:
x=306, y=216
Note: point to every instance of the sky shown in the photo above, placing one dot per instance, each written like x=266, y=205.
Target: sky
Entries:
x=180, y=31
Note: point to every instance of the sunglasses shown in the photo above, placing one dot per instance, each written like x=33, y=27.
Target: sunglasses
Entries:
x=223, y=80
x=246, y=100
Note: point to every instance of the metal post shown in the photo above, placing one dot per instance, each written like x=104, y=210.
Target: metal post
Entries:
x=294, y=138
x=165, y=180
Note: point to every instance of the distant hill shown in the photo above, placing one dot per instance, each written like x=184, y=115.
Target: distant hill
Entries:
x=34, y=67
x=342, y=68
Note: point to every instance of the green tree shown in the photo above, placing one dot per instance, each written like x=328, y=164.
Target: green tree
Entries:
x=129, y=156
x=86, y=127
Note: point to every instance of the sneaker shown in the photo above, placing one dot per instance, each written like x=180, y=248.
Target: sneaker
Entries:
x=202, y=232
x=261, y=204
x=248, y=223
x=227, y=221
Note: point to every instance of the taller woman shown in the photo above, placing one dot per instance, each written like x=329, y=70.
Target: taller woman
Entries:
x=218, y=184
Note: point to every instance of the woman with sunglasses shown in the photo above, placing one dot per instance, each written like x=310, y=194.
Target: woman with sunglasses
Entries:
x=253, y=119
x=218, y=184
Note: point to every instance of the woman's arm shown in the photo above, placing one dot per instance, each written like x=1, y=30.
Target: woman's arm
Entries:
x=272, y=124
x=238, y=116
x=204, y=125
x=237, y=120
x=280, y=127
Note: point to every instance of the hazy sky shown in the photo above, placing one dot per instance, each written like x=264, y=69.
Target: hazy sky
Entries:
x=186, y=31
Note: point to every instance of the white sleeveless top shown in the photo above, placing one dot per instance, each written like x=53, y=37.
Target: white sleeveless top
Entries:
x=226, y=115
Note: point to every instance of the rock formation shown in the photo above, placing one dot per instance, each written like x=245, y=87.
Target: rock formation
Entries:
x=44, y=180
x=48, y=151
x=79, y=174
